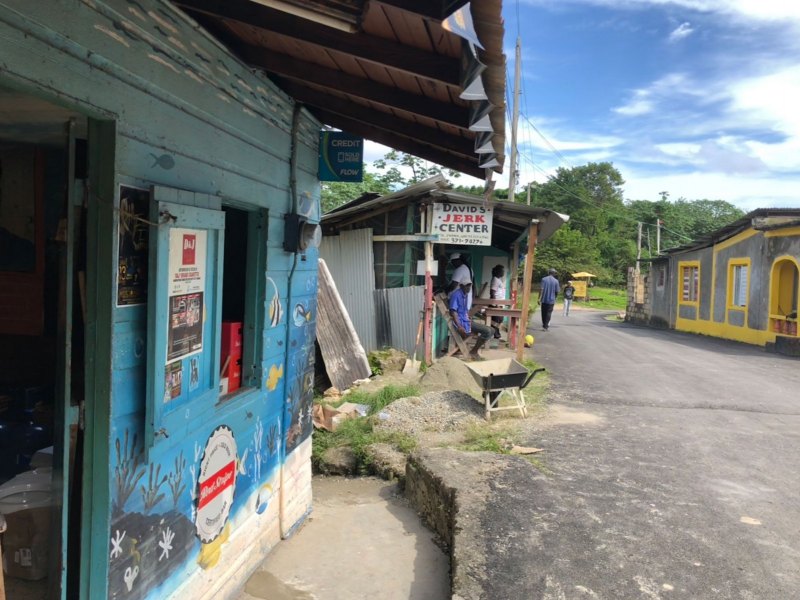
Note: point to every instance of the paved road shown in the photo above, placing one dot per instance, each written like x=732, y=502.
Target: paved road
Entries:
x=674, y=467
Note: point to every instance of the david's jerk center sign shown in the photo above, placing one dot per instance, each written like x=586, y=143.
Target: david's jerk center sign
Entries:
x=462, y=224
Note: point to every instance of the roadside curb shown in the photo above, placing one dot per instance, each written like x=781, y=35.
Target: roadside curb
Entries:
x=460, y=496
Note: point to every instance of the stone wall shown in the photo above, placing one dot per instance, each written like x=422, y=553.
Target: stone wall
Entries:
x=639, y=308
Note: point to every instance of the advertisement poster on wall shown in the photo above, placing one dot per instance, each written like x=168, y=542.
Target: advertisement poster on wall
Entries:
x=187, y=281
x=134, y=234
x=462, y=224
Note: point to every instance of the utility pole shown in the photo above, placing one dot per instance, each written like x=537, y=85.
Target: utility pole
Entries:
x=529, y=194
x=639, y=247
x=512, y=172
x=658, y=237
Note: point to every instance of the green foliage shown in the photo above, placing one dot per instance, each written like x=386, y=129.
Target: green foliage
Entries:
x=481, y=438
x=359, y=433
x=607, y=298
x=388, y=175
x=383, y=397
x=602, y=231
x=336, y=193
x=567, y=251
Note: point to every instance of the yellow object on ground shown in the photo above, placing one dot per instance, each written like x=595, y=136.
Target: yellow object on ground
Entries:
x=529, y=340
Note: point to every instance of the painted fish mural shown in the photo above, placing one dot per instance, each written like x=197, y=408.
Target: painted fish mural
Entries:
x=301, y=315
x=275, y=307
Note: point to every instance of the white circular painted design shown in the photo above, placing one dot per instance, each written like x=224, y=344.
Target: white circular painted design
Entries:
x=216, y=484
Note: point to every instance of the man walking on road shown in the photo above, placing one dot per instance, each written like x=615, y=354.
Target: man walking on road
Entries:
x=547, y=297
x=569, y=294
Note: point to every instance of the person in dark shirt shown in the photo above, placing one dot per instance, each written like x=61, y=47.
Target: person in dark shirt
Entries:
x=547, y=297
x=569, y=294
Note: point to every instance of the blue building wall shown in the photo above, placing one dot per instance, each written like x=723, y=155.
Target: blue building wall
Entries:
x=187, y=115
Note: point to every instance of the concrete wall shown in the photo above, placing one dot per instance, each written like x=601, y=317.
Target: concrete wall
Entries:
x=717, y=316
x=182, y=113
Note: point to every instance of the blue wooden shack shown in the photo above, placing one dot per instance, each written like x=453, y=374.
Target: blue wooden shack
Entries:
x=159, y=200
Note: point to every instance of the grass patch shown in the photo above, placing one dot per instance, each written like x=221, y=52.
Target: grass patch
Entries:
x=603, y=298
x=378, y=400
x=359, y=434
x=485, y=438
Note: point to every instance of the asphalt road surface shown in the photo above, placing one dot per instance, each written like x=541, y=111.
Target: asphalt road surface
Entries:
x=672, y=466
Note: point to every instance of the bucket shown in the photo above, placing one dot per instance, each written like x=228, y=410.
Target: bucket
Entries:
x=25, y=502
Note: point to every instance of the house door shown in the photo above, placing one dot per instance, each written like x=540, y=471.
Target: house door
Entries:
x=783, y=306
x=42, y=267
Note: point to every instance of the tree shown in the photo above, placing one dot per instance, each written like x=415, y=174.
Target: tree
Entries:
x=567, y=251
x=394, y=163
x=387, y=176
x=336, y=193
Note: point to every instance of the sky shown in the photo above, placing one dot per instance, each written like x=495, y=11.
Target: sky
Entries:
x=698, y=98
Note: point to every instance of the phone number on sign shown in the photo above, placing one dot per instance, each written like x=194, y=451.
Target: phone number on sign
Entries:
x=464, y=241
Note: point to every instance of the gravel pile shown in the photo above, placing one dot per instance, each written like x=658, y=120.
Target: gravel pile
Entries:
x=432, y=412
x=450, y=374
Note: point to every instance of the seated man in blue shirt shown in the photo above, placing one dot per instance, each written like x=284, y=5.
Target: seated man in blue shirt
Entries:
x=465, y=326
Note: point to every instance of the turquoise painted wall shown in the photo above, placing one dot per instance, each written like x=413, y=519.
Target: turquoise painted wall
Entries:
x=186, y=115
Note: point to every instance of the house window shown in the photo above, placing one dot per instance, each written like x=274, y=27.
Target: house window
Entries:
x=737, y=276
x=690, y=276
x=208, y=264
x=662, y=275
x=240, y=278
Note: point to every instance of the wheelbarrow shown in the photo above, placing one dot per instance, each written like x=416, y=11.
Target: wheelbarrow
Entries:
x=502, y=377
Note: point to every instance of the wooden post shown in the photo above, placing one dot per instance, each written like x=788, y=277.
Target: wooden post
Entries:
x=512, y=172
x=512, y=331
x=526, y=282
x=427, y=227
x=638, y=249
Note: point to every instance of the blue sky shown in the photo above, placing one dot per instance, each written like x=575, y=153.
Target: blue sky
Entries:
x=699, y=98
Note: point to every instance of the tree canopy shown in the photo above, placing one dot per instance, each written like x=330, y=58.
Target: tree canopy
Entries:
x=603, y=227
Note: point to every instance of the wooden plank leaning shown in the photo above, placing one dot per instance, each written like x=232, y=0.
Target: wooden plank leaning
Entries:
x=342, y=352
x=451, y=327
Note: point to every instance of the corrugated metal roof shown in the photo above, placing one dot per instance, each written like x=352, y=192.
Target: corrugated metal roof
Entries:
x=514, y=218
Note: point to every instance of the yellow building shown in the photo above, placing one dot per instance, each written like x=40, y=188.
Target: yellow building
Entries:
x=740, y=282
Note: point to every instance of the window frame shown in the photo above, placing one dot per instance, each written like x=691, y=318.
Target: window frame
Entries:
x=682, y=266
x=731, y=297
x=178, y=209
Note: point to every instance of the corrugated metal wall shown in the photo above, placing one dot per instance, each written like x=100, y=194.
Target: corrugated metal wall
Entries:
x=403, y=307
x=350, y=260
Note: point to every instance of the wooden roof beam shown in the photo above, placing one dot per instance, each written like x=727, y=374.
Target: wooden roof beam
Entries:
x=399, y=142
x=414, y=61
x=435, y=10
x=300, y=70
x=462, y=146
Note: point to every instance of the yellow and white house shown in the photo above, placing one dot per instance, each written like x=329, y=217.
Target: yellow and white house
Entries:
x=741, y=282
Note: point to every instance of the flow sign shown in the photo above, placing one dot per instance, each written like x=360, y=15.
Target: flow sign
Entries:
x=340, y=157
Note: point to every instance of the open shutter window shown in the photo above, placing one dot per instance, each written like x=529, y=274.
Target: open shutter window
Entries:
x=184, y=311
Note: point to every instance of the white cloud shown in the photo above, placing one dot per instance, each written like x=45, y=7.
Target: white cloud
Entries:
x=640, y=104
x=764, y=10
x=746, y=193
x=680, y=32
